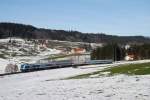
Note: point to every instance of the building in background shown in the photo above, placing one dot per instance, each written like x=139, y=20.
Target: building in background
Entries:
x=80, y=56
x=78, y=51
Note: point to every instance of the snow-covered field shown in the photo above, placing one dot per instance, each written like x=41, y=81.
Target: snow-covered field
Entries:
x=48, y=85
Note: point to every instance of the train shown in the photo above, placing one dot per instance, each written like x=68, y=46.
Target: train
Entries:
x=46, y=65
x=59, y=64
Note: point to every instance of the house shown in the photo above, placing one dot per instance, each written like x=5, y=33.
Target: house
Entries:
x=80, y=55
x=80, y=58
x=78, y=51
x=130, y=57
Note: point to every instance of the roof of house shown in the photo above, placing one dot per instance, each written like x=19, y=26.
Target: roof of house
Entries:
x=78, y=49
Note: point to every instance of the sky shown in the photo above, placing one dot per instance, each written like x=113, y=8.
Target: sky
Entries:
x=115, y=17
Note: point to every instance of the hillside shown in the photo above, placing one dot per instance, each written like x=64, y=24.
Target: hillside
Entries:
x=31, y=32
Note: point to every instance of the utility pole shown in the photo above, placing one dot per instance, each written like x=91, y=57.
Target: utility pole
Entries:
x=115, y=57
x=10, y=43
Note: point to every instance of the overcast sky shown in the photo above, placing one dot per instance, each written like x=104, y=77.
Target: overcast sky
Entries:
x=119, y=17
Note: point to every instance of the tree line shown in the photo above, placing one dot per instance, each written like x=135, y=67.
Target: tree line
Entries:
x=118, y=52
x=31, y=32
x=140, y=51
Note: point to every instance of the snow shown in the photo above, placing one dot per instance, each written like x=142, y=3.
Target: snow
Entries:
x=50, y=51
x=51, y=85
x=7, y=39
x=45, y=85
x=3, y=64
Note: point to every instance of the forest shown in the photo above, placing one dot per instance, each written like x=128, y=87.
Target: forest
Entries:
x=31, y=32
x=117, y=52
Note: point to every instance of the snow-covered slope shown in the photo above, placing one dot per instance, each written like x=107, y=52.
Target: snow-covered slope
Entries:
x=45, y=85
x=22, y=51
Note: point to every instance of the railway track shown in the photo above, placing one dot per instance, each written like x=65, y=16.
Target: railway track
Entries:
x=57, y=67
